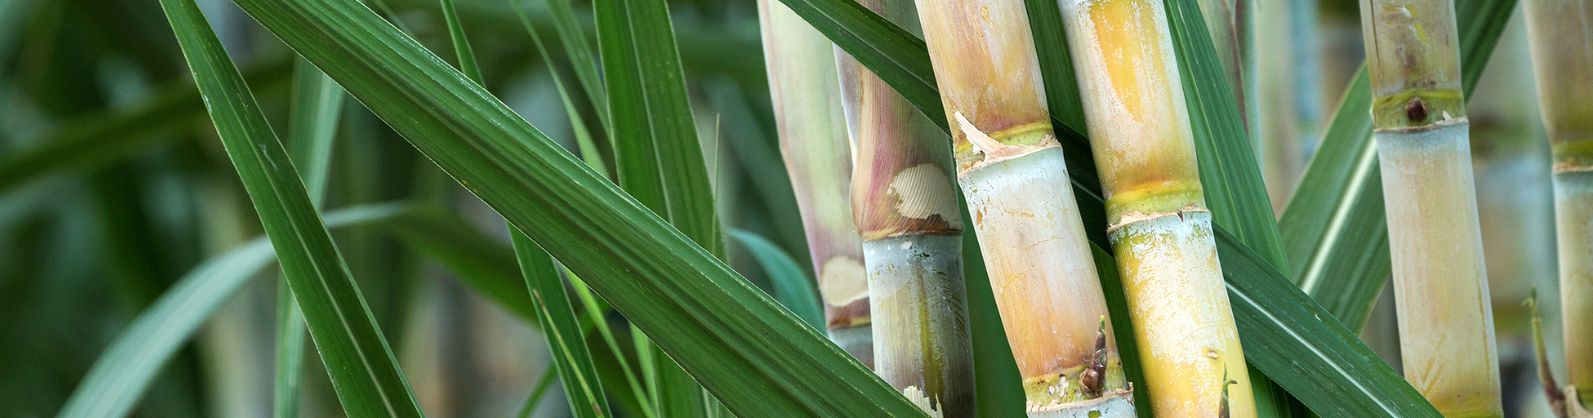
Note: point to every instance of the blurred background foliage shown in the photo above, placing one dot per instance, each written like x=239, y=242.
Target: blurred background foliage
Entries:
x=113, y=186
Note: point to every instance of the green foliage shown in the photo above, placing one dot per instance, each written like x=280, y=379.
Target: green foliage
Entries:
x=362, y=367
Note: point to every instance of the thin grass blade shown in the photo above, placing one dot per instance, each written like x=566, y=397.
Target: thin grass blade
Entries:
x=566, y=339
x=363, y=370
x=1228, y=168
x=312, y=123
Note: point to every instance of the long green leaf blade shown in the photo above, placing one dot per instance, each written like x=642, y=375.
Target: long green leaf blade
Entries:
x=566, y=339
x=659, y=160
x=1229, y=172
x=363, y=370
x=312, y=123
x=1334, y=228
x=753, y=355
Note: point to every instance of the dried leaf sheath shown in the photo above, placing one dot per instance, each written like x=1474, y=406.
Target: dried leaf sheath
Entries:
x=1013, y=174
x=1159, y=226
x=1561, y=37
x=904, y=203
x=1440, y=282
x=805, y=91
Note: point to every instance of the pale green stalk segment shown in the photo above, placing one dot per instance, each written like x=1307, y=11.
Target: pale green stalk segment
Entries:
x=1440, y=282
x=363, y=371
x=1413, y=57
x=806, y=93
x=1561, y=38
x=1574, y=217
x=921, y=343
x=1335, y=227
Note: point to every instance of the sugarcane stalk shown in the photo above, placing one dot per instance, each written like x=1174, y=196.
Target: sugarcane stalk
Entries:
x=805, y=91
x=1561, y=36
x=1011, y=169
x=1159, y=226
x=1440, y=280
x=904, y=204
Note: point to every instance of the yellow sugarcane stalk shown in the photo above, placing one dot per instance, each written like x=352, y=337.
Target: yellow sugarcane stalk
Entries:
x=1011, y=169
x=1159, y=226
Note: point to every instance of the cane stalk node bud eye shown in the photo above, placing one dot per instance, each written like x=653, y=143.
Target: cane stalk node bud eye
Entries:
x=1416, y=110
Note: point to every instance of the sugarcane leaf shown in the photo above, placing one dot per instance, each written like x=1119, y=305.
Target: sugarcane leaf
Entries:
x=583, y=138
x=566, y=339
x=1056, y=65
x=363, y=371
x=792, y=287
x=134, y=359
x=94, y=140
x=752, y=354
x=1293, y=340
x=659, y=160
x=1229, y=173
x=1334, y=229
x=312, y=124
x=579, y=52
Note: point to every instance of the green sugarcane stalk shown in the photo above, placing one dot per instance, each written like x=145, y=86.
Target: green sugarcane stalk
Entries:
x=805, y=89
x=1440, y=281
x=904, y=204
x=1011, y=169
x=1158, y=223
x=1561, y=36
